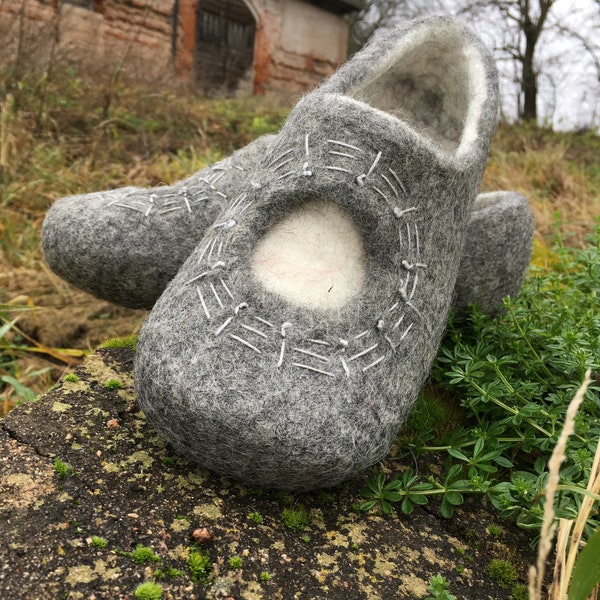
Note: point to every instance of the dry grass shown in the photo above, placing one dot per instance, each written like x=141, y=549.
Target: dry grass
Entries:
x=568, y=538
x=557, y=172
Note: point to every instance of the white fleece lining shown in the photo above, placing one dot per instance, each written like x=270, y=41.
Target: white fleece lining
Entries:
x=436, y=83
x=314, y=258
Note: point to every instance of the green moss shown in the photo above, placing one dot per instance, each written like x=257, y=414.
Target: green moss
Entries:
x=71, y=377
x=99, y=542
x=113, y=384
x=502, y=572
x=129, y=341
x=433, y=411
x=62, y=468
x=148, y=591
x=296, y=518
x=325, y=498
x=256, y=517
x=167, y=572
x=264, y=576
x=235, y=562
x=520, y=592
x=143, y=554
x=199, y=564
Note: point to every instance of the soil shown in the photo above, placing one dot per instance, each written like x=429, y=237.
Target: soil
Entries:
x=121, y=482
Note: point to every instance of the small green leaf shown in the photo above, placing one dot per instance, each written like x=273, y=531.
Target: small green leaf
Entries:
x=457, y=454
x=478, y=447
x=393, y=496
x=446, y=509
x=487, y=468
x=407, y=506
x=462, y=484
x=454, y=498
x=420, y=499
x=504, y=462
x=453, y=472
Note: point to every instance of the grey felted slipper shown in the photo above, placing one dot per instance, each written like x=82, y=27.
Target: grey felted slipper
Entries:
x=497, y=251
x=125, y=245
x=101, y=242
x=290, y=346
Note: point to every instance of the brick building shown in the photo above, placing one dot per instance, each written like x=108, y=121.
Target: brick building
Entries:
x=232, y=47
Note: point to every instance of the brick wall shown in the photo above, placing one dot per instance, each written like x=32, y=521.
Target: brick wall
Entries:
x=296, y=43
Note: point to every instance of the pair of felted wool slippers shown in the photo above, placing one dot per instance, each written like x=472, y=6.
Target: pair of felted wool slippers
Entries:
x=300, y=288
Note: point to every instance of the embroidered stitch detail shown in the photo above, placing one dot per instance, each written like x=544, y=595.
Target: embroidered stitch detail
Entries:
x=278, y=158
x=204, y=307
x=309, y=353
x=375, y=362
x=309, y=368
x=223, y=325
x=390, y=189
x=345, y=145
x=214, y=291
x=363, y=352
x=245, y=342
x=362, y=178
x=267, y=323
x=345, y=366
x=254, y=330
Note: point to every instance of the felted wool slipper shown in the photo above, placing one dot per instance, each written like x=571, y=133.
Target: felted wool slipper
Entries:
x=497, y=251
x=101, y=243
x=125, y=245
x=290, y=346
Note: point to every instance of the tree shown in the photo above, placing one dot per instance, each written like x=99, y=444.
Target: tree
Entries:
x=527, y=20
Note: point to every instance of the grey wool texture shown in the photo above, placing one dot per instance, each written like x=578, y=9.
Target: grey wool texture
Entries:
x=269, y=393
x=132, y=262
x=497, y=251
x=125, y=245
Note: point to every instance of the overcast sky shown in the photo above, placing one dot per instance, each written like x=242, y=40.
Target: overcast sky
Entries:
x=569, y=86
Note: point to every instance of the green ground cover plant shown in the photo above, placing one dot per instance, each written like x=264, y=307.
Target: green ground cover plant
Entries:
x=514, y=377
x=439, y=589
